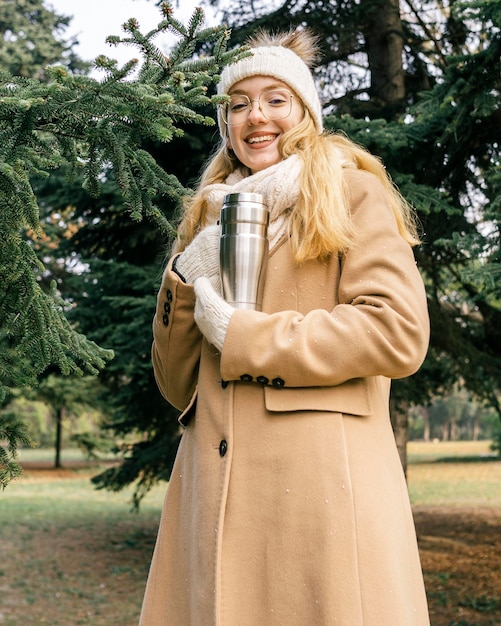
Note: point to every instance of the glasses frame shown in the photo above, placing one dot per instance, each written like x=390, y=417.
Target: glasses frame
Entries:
x=224, y=107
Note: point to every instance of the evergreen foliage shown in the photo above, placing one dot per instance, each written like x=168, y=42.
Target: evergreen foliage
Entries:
x=113, y=294
x=132, y=137
x=14, y=432
x=117, y=310
x=441, y=146
x=440, y=141
x=92, y=127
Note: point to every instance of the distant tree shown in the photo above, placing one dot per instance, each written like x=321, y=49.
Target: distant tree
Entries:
x=31, y=38
x=65, y=397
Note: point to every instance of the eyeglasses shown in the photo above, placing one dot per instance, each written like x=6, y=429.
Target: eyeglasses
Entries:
x=275, y=104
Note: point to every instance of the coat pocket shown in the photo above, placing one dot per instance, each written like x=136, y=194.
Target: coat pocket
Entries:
x=189, y=411
x=352, y=397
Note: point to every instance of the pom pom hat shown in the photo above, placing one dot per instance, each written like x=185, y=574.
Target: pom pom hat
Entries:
x=281, y=63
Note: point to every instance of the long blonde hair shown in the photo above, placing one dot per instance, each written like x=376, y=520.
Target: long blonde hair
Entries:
x=320, y=222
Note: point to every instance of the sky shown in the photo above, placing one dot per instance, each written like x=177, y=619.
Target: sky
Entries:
x=94, y=20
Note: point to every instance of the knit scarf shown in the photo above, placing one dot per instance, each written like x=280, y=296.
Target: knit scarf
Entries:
x=278, y=184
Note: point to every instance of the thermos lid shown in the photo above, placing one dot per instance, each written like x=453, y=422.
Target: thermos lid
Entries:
x=232, y=198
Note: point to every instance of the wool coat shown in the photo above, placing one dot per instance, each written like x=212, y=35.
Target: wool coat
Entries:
x=287, y=504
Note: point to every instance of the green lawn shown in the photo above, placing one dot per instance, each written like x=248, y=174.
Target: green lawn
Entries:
x=428, y=451
x=464, y=473
x=74, y=555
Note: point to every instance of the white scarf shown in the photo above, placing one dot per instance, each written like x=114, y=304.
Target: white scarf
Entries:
x=278, y=184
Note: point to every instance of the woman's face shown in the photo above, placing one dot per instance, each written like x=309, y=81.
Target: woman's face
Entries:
x=252, y=136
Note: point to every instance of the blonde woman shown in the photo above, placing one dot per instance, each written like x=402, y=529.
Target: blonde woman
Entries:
x=287, y=503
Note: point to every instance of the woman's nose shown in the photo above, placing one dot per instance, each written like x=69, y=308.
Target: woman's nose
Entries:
x=256, y=116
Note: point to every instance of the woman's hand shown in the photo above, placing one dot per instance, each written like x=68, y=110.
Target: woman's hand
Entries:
x=201, y=258
x=212, y=313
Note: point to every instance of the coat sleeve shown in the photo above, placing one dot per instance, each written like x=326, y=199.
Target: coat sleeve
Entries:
x=176, y=340
x=380, y=326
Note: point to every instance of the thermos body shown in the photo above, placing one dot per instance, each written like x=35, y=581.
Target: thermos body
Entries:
x=244, y=249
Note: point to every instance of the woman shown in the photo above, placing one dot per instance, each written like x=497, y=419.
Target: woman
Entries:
x=287, y=503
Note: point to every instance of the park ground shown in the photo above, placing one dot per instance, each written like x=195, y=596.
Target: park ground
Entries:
x=72, y=555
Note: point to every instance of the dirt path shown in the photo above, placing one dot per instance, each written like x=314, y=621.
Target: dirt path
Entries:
x=461, y=558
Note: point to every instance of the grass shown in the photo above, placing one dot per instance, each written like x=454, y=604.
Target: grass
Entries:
x=429, y=451
x=47, y=455
x=463, y=473
x=455, y=484
x=74, y=555
x=68, y=494
x=75, y=499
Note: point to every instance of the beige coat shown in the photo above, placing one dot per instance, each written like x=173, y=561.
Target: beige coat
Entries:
x=287, y=503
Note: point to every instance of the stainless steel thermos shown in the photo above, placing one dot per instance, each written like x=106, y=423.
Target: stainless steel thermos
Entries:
x=243, y=251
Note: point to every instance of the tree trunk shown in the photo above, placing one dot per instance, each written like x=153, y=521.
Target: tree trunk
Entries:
x=426, y=420
x=475, y=430
x=59, y=437
x=400, y=423
x=384, y=40
x=445, y=431
x=476, y=425
x=453, y=429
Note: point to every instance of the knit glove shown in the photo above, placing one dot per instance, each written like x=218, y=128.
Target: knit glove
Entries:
x=212, y=313
x=201, y=257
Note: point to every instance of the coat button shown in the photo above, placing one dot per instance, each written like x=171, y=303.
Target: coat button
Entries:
x=278, y=382
x=168, y=295
x=167, y=307
x=224, y=384
x=223, y=447
x=263, y=380
x=165, y=320
x=246, y=378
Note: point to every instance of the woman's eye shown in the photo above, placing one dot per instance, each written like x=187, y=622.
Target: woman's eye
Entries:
x=276, y=100
x=235, y=107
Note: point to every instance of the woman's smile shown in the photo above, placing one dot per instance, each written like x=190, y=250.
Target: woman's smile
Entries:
x=260, y=138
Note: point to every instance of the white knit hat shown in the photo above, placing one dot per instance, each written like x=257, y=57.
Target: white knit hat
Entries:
x=281, y=63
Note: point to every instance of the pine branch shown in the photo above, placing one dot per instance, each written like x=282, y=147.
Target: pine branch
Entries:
x=14, y=433
x=90, y=125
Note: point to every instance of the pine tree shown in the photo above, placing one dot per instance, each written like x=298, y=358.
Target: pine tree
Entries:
x=431, y=112
x=114, y=298
x=92, y=126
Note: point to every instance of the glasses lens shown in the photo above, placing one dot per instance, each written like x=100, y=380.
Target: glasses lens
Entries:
x=236, y=110
x=275, y=104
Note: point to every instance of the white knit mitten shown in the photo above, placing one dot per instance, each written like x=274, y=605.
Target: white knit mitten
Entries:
x=212, y=313
x=201, y=257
